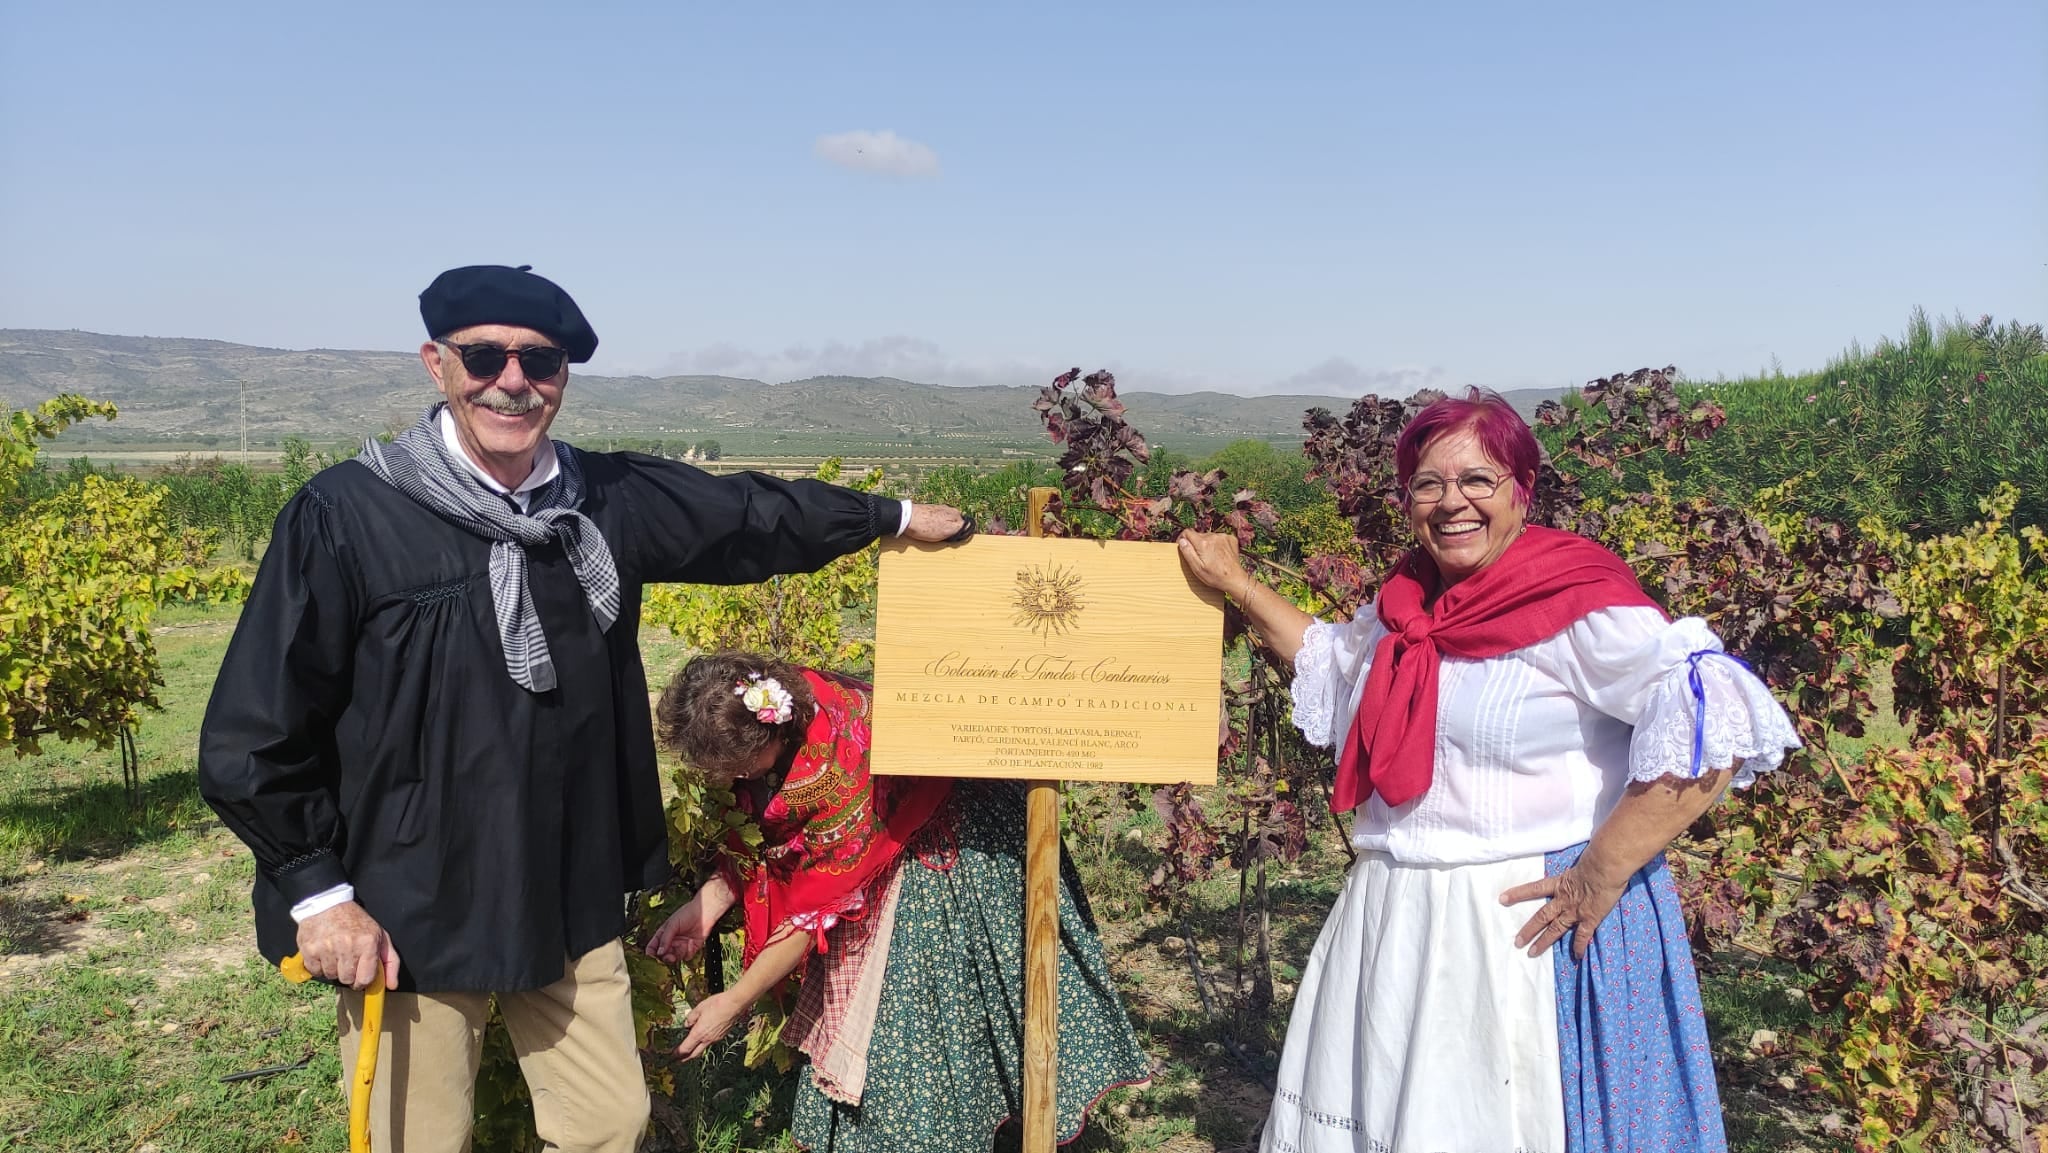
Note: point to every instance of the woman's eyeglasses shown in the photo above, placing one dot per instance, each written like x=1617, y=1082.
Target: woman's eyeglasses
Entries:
x=1475, y=486
x=485, y=361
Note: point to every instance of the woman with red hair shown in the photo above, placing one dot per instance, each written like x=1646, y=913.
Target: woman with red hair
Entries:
x=1515, y=722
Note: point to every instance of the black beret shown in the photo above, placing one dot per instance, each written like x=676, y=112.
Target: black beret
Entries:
x=496, y=294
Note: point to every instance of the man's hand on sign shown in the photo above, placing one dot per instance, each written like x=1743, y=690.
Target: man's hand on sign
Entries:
x=345, y=945
x=935, y=522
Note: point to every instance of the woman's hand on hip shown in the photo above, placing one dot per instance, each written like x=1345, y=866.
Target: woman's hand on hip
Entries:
x=1579, y=899
x=1643, y=822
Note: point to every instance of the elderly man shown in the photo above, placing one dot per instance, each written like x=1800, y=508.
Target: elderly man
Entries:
x=431, y=727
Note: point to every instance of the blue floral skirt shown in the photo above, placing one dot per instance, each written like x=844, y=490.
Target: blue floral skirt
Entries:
x=1637, y=1067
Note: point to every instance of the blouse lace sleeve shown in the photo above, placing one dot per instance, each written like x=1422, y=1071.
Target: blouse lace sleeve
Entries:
x=1743, y=722
x=1312, y=685
x=1332, y=663
x=1661, y=678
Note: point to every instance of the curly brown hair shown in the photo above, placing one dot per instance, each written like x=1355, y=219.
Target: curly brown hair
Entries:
x=701, y=720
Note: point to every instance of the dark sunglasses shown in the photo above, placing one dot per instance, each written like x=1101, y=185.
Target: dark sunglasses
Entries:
x=486, y=361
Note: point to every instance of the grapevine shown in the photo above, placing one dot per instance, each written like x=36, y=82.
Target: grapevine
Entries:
x=1907, y=883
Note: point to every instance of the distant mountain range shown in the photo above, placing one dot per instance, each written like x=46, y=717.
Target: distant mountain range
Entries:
x=171, y=389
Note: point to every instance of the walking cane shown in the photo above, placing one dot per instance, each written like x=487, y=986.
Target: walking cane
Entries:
x=294, y=970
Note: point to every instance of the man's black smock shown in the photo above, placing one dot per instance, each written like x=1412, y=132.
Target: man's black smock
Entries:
x=364, y=728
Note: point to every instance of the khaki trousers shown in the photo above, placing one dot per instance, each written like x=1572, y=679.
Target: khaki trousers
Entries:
x=574, y=1040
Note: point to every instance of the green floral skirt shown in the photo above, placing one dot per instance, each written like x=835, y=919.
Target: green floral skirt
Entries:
x=945, y=1064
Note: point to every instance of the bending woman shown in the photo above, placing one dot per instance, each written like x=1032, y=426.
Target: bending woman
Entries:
x=1515, y=722
x=901, y=899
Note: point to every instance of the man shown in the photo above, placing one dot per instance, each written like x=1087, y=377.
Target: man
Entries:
x=431, y=727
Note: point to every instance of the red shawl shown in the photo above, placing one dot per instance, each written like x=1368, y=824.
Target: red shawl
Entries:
x=1543, y=584
x=830, y=827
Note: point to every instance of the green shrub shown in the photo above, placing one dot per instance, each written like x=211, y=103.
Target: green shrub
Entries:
x=1913, y=432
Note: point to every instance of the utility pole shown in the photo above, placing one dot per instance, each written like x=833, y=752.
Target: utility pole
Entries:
x=244, y=390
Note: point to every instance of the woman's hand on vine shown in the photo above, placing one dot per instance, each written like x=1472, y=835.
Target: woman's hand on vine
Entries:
x=683, y=935
x=708, y=1021
x=1579, y=899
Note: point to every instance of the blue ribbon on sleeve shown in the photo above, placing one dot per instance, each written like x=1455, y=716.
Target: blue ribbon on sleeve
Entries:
x=1699, y=702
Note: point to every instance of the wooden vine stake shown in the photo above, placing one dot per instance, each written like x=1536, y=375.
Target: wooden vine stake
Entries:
x=1041, y=935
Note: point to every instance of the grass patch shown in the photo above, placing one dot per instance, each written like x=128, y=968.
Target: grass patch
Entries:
x=99, y=1055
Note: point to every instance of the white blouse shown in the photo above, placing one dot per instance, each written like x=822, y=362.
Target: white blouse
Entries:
x=1534, y=748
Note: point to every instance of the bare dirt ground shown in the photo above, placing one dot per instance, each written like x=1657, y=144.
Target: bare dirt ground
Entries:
x=56, y=915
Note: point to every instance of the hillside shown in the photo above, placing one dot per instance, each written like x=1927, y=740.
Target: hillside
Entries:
x=171, y=389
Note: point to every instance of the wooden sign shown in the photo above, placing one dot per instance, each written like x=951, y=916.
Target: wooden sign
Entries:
x=1045, y=658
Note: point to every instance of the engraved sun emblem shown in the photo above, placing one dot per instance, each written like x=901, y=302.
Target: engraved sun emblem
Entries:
x=1048, y=601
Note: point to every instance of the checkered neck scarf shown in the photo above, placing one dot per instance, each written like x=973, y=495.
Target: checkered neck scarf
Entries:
x=417, y=464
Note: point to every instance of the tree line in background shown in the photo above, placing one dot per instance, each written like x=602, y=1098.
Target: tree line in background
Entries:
x=1912, y=433
x=1873, y=527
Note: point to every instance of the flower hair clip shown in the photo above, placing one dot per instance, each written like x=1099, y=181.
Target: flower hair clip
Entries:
x=770, y=703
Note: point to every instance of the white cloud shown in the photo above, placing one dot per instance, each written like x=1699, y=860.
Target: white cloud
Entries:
x=877, y=152
x=1340, y=377
x=915, y=359
x=903, y=357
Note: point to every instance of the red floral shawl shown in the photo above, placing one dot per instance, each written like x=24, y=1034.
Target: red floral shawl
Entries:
x=1543, y=584
x=830, y=827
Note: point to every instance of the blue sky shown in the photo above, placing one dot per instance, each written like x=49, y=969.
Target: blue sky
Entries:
x=1270, y=197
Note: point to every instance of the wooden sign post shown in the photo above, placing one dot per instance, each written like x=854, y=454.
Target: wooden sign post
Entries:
x=1045, y=660
x=1041, y=936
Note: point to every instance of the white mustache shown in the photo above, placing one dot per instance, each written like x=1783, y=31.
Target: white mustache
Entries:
x=509, y=404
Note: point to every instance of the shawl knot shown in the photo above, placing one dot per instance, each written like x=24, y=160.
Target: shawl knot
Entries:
x=1544, y=583
x=418, y=464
